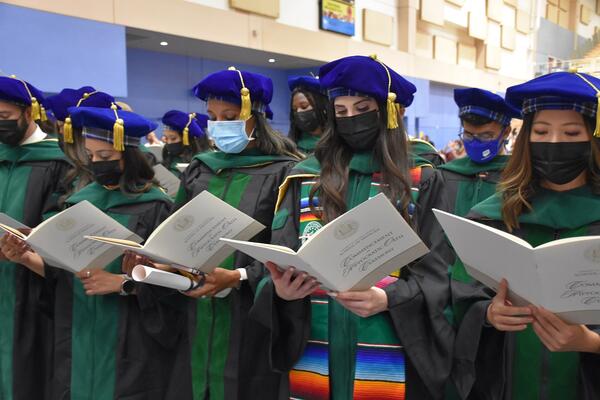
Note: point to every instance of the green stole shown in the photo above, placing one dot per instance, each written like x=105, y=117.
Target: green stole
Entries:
x=173, y=166
x=556, y=215
x=95, y=319
x=341, y=345
x=473, y=189
x=213, y=315
x=14, y=181
x=307, y=143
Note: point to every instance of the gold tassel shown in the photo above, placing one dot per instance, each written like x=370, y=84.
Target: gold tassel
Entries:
x=186, y=136
x=246, y=111
x=36, y=114
x=597, y=130
x=119, y=135
x=68, y=130
x=392, y=111
x=43, y=115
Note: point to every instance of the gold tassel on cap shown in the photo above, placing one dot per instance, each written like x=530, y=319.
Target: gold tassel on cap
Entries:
x=118, y=131
x=246, y=107
x=392, y=110
x=68, y=130
x=597, y=130
x=43, y=115
x=37, y=111
x=186, y=130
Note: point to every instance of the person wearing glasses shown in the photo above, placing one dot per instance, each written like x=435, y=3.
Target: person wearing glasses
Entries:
x=485, y=118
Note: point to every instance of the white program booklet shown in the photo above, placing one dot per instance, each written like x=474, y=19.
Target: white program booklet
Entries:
x=60, y=239
x=167, y=179
x=189, y=238
x=352, y=252
x=181, y=166
x=562, y=276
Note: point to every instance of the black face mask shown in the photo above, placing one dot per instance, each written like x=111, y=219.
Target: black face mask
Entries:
x=306, y=121
x=107, y=173
x=560, y=163
x=175, y=149
x=361, y=131
x=12, y=132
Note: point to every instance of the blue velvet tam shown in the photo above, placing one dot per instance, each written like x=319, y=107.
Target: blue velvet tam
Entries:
x=121, y=128
x=365, y=76
x=19, y=92
x=202, y=120
x=248, y=90
x=558, y=91
x=268, y=113
x=85, y=96
x=485, y=104
x=309, y=83
x=184, y=123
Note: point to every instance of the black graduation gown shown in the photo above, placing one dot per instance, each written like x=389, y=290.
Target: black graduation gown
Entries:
x=485, y=358
x=151, y=358
x=242, y=370
x=418, y=301
x=30, y=186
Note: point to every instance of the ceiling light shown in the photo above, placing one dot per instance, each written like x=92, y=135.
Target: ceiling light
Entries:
x=164, y=43
x=272, y=60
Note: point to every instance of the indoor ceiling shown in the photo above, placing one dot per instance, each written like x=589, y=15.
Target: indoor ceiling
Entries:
x=148, y=40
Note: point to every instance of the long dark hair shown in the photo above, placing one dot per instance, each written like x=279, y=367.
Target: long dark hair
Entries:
x=80, y=174
x=517, y=184
x=138, y=175
x=269, y=141
x=319, y=103
x=197, y=145
x=391, y=150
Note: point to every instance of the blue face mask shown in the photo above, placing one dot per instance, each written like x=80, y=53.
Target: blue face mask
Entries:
x=483, y=152
x=229, y=136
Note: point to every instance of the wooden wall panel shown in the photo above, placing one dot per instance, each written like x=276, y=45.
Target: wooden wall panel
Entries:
x=444, y=50
x=270, y=8
x=433, y=11
x=378, y=27
x=467, y=55
x=508, y=38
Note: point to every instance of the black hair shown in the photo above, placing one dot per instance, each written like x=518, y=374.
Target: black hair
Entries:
x=319, y=103
x=476, y=120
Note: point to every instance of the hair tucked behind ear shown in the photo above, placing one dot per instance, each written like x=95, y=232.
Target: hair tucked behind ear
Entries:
x=517, y=184
x=391, y=150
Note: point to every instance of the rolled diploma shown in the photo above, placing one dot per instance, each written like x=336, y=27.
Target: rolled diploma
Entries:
x=153, y=276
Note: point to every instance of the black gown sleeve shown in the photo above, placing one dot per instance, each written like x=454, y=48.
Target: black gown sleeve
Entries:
x=162, y=310
x=256, y=270
x=287, y=323
x=419, y=300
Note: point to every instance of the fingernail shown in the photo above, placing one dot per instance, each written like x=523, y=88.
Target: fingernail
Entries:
x=332, y=294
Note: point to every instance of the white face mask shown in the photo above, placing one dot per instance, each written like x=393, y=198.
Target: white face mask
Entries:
x=229, y=136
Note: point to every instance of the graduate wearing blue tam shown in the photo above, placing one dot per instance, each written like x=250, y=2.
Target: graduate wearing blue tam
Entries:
x=363, y=152
x=121, y=128
x=547, y=191
x=184, y=136
x=485, y=119
x=559, y=91
x=250, y=91
x=246, y=171
x=32, y=169
x=308, y=112
x=19, y=92
x=85, y=96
